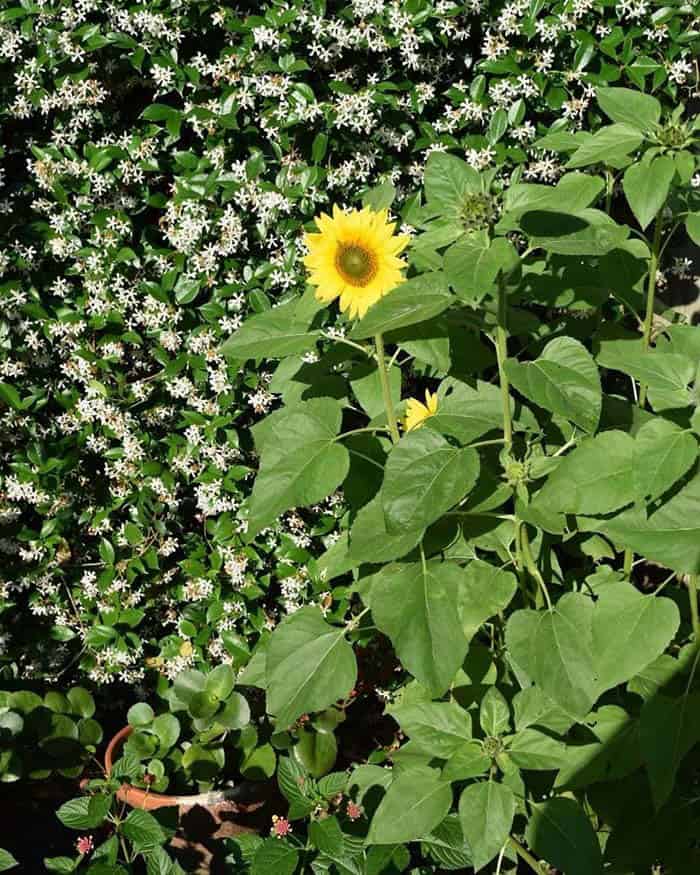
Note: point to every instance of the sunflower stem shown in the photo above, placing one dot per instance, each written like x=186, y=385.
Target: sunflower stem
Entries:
x=386, y=390
x=651, y=294
x=526, y=856
x=501, y=356
x=692, y=581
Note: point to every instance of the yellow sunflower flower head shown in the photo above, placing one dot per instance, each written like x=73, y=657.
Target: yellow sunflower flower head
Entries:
x=417, y=412
x=355, y=258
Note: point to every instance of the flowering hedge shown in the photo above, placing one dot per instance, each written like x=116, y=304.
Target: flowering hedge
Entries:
x=161, y=165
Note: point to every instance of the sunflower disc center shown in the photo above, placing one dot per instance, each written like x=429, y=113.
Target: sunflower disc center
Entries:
x=356, y=264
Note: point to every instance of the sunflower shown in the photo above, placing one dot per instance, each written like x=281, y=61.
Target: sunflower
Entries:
x=355, y=258
x=417, y=412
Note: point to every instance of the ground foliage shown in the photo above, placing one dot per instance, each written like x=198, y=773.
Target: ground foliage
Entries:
x=468, y=646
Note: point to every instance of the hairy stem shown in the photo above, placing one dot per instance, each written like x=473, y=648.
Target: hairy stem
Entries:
x=501, y=356
x=651, y=294
x=532, y=566
x=526, y=856
x=629, y=558
x=692, y=581
x=646, y=335
x=386, y=390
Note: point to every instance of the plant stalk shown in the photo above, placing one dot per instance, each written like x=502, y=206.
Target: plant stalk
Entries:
x=692, y=581
x=501, y=356
x=532, y=566
x=526, y=856
x=646, y=335
x=651, y=294
x=386, y=390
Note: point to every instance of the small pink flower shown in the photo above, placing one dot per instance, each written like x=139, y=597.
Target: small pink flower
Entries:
x=280, y=827
x=84, y=845
x=353, y=811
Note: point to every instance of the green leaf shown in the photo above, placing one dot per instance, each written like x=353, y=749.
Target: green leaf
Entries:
x=167, y=728
x=483, y=591
x=416, y=606
x=140, y=714
x=486, y=811
x=669, y=535
x=595, y=478
x=7, y=861
x=86, y=812
x=494, y=713
x=560, y=832
x=554, y=648
x=220, y=681
x=664, y=453
x=447, y=845
x=371, y=542
x=629, y=631
x=532, y=749
x=316, y=751
x=188, y=683
x=668, y=729
x=666, y=374
x=51, y=864
x=468, y=761
x=309, y=666
x=466, y=413
x=447, y=180
x=381, y=197
x=415, y=300
x=274, y=855
x=301, y=462
x=586, y=232
x=563, y=380
x=609, y=144
x=367, y=387
x=435, y=728
x=473, y=263
x=143, y=830
x=646, y=186
x=692, y=226
x=424, y=477
x=415, y=803
x=159, y=863
x=236, y=713
x=630, y=107
x=274, y=333
x=81, y=702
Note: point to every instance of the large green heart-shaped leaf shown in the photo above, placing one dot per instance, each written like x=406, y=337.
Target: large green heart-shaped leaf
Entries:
x=554, y=648
x=425, y=476
x=563, y=380
x=669, y=535
x=371, y=542
x=301, y=461
x=467, y=413
x=560, y=832
x=664, y=453
x=309, y=666
x=629, y=631
x=416, y=606
x=483, y=591
x=597, y=477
